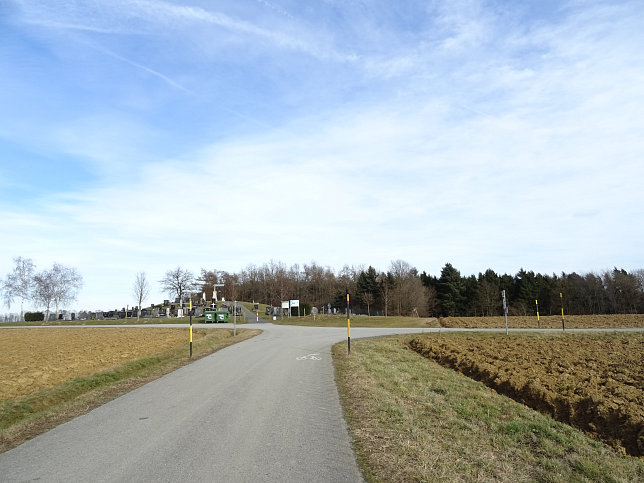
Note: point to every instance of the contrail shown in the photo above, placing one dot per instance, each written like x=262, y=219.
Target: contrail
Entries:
x=143, y=67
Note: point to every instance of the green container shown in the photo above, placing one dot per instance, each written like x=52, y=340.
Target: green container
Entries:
x=222, y=315
x=210, y=316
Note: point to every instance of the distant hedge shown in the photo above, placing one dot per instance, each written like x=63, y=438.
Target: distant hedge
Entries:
x=34, y=316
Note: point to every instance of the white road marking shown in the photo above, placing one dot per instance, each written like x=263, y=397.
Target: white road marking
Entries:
x=310, y=357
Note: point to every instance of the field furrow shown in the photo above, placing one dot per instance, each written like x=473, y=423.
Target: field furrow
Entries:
x=592, y=382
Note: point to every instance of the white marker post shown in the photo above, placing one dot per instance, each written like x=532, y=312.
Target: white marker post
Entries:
x=505, y=312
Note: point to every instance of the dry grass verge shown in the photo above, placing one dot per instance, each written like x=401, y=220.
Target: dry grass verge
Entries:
x=413, y=420
x=340, y=320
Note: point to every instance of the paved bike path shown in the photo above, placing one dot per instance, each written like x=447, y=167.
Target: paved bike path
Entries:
x=266, y=409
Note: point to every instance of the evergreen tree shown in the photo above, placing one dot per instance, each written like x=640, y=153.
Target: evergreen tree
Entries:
x=470, y=291
x=367, y=289
x=488, y=293
x=526, y=291
x=340, y=300
x=451, y=292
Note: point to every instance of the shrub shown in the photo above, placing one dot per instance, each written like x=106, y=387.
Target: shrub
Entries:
x=34, y=316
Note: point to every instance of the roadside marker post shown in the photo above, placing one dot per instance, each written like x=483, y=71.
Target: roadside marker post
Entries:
x=563, y=325
x=505, y=311
x=190, y=328
x=235, y=320
x=348, y=325
x=538, y=323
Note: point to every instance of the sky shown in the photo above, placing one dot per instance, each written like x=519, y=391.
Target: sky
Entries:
x=145, y=135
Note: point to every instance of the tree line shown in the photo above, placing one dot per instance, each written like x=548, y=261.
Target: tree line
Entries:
x=403, y=290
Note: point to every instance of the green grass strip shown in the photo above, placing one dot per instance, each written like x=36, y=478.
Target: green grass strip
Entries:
x=414, y=420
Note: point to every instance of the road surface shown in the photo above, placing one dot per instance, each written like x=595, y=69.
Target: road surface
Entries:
x=266, y=409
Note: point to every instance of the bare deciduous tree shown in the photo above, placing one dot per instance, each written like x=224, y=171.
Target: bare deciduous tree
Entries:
x=639, y=276
x=68, y=283
x=407, y=290
x=368, y=298
x=57, y=286
x=400, y=273
x=19, y=283
x=385, y=280
x=141, y=291
x=207, y=280
x=278, y=284
x=231, y=285
x=43, y=293
x=179, y=282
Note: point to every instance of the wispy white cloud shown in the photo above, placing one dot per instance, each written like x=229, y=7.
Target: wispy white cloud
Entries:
x=275, y=8
x=155, y=16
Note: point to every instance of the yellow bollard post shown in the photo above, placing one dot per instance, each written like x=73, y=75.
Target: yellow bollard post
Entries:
x=190, y=328
x=538, y=323
x=348, y=326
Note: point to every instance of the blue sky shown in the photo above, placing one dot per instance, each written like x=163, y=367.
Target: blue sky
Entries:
x=143, y=135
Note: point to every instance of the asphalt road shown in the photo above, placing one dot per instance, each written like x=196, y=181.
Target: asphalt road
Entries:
x=266, y=409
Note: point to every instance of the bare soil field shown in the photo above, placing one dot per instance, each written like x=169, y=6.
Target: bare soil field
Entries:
x=35, y=359
x=592, y=382
x=547, y=322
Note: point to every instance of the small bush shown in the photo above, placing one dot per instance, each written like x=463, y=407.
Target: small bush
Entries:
x=34, y=316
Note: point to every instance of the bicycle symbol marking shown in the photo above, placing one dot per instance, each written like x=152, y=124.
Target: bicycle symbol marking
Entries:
x=309, y=357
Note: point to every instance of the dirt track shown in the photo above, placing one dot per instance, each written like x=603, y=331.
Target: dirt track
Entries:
x=593, y=382
x=34, y=359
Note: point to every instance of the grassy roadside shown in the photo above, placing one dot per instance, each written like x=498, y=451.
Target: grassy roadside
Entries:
x=26, y=417
x=413, y=420
x=358, y=321
x=340, y=320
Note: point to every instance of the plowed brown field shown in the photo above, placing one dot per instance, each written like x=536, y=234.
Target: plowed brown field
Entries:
x=34, y=359
x=592, y=382
x=547, y=322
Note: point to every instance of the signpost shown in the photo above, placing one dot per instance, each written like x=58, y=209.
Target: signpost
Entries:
x=294, y=303
x=563, y=325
